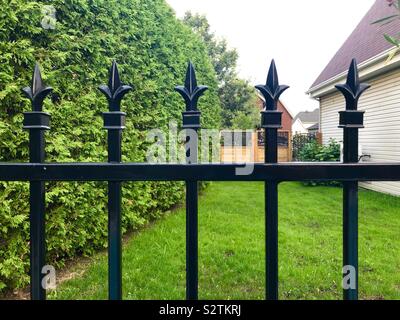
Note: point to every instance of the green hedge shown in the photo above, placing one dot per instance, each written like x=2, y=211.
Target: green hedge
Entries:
x=315, y=152
x=152, y=48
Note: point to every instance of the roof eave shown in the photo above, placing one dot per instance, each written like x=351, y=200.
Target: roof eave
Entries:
x=370, y=68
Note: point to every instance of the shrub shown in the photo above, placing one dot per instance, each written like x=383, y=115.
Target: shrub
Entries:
x=152, y=48
x=315, y=152
x=299, y=140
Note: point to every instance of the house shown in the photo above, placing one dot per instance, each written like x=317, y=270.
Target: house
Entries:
x=380, y=139
x=254, y=152
x=304, y=121
x=287, y=117
x=314, y=129
x=284, y=134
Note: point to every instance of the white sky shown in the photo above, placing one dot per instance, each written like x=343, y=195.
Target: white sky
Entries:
x=302, y=36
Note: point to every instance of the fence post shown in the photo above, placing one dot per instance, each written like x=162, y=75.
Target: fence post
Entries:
x=37, y=122
x=114, y=123
x=191, y=122
x=254, y=142
x=351, y=120
x=319, y=138
x=271, y=122
x=290, y=146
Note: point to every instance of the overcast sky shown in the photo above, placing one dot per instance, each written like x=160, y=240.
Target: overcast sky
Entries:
x=302, y=36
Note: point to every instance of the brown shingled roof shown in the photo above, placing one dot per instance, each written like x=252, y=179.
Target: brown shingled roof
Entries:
x=365, y=42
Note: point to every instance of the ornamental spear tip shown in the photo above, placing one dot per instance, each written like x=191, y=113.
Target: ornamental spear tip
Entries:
x=190, y=81
x=37, y=82
x=353, y=79
x=272, y=90
x=353, y=89
x=115, y=90
x=191, y=92
x=272, y=79
x=38, y=91
x=114, y=81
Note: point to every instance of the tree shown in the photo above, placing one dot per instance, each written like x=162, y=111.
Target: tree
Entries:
x=248, y=119
x=237, y=96
x=75, y=50
x=223, y=59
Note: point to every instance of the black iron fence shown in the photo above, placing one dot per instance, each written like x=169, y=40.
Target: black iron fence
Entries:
x=283, y=139
x=299, y=140
x=38, y=172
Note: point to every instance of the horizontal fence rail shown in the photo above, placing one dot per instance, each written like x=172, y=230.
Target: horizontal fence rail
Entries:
x=114, y=172
x=198, y=172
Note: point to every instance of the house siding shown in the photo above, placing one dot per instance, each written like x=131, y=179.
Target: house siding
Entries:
x=298, y=127
x=381, y=136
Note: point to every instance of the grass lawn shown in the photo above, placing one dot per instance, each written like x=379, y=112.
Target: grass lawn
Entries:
x=231, y=248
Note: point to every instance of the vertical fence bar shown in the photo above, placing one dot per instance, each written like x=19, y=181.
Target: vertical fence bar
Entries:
x=37, y=122
x=114, y=123
x=351, y=121
x=192, y=277
x=271, y=122
x=271, y=220
x=114, y=224
x=191, y=122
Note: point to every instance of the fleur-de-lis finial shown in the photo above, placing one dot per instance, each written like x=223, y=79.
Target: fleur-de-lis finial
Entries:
x=191, y=92
x=272, y=90
x=38, y=92
x=353, y=89
x=115, y=90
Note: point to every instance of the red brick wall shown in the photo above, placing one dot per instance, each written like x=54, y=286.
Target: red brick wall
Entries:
x=286, y=117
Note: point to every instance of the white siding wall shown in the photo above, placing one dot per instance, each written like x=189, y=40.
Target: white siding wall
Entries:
x=298, y=127
x=381, y=136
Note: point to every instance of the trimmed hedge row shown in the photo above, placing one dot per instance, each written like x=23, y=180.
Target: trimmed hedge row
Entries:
x=152, y=49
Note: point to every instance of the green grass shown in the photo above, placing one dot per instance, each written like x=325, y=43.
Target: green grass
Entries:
x=231, y=248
